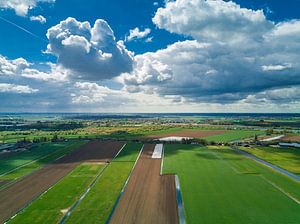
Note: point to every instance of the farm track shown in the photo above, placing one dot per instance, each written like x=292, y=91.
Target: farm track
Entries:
x=21, y=193
x=189, y=133
x=148, y=197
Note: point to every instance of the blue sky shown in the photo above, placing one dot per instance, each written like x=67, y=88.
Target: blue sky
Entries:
x=183, y=56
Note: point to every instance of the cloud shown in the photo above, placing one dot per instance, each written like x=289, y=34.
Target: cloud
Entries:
x=38, y=18
x=12, y=88
x=88, y=52
x=212, y=20
x=276, y=67
x=20, y=67
x=21, y=7
x=12, y=67
x=136, y=33
x=235, y=53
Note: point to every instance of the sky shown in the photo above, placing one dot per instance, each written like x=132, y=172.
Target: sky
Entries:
x=149, y=56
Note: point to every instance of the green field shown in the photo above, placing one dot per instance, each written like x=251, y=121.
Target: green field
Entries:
x=25, y=162
x=233, y=135
x=221, y=186
x=51, y=206
x=97, y=205
x=286, y=158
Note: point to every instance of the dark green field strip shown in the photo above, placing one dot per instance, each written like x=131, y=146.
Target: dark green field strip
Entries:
x=98, y=203
x=233, y=135
x=57, y=151
x=286, y=158
x=52, y=205
x=220, y=186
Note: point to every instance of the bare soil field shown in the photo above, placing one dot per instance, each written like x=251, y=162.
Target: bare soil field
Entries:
x=148, y=197
x=2, y=182
x=189, y=133
x=21, y=193
x=293, y=138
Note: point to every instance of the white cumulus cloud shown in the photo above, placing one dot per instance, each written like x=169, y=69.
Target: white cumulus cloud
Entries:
x=136, y=33
x=88, y=52
x=235, y=52
x=38, y=18
x=21, y=7
x=12, y=88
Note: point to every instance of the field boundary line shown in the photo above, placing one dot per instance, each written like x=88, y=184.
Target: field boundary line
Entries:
x=34, y=170
x=267, y=164
x=123, y=189
x=281, y=190
x=65, y=217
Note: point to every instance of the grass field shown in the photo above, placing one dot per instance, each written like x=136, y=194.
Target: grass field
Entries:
x=286, y=158
x=51, y=206
x=233, y=135
x=221, y=186
x=25, y=162
x=97, y=205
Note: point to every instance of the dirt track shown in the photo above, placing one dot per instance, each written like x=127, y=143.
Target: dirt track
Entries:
x=18, y=195
x=148, y=197
x=188, y=133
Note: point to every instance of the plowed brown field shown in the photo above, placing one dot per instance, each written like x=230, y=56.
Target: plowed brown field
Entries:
x=189, y=133
x=148, y=197
x=18, y=195
x=293, y=138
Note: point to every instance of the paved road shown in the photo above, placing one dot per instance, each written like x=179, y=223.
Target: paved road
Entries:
x=276, y=168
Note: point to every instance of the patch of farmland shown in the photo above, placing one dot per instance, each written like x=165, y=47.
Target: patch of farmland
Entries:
x=18, y=195
x=51, y=206
x=25, y=157
x=29, y=167
x=292, y=138
x=233, y=135
x=221, y=186
x=286, y=158
x=148, y=197
x=98, y=203
x=192, y=133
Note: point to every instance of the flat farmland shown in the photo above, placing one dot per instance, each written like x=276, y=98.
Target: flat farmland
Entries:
x=52, y=206
x=221, y=186
x=148, y=197
x=18, y=195
x=192, y=133
x=286, y=158
x=292, y=138
x=232, y=135
x=100, y=200
x=26, y=162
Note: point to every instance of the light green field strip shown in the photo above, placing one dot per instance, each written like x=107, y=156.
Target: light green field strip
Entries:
x=52, y=205
x=54, y=151
x=286, y=158
x=221, y=186
x=232, y=135
x=98, y=203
